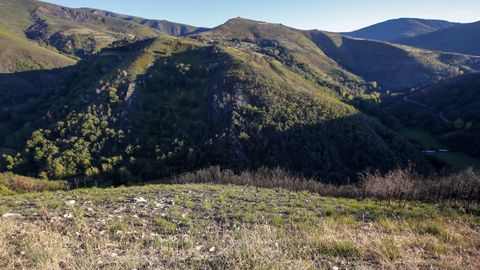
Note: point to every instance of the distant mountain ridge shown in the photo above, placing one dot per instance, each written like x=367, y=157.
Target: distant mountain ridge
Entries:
x=462, y=38
x=427, y=34
x=171, y=28
x=400, y=29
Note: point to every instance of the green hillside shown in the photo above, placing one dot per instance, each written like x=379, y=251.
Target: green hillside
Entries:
x=32, y=33
x=287, y=45
x=457, y=101
x=392, y=66
x=243, y=95
x=345, y=63
x=18, y=54
x=167, y=27
x=172, y=105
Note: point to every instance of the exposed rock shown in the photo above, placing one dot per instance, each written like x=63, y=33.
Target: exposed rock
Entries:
x=11, y=215
x=70, y=202
x=140, y=200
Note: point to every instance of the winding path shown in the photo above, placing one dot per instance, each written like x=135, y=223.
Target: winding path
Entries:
x=440, y=115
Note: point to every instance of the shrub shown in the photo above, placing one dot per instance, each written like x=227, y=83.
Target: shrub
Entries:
x=21, y=184
x=462, y=189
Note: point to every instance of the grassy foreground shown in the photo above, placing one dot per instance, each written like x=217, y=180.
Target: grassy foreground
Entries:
x=229, y=227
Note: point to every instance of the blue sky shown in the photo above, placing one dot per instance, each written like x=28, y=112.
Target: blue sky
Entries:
x=331, y=15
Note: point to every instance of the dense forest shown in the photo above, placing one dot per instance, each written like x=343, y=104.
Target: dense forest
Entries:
x=134, y=100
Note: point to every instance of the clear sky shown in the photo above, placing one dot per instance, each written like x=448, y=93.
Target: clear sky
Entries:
x=331, y=15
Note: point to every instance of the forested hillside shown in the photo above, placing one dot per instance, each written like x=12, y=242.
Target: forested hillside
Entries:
x=450, y=109
x=141, y=104
x=174, y=105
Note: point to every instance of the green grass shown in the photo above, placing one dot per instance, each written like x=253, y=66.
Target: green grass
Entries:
x=457, y=160
x=18, y=54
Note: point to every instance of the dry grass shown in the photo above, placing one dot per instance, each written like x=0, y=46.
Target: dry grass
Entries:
x=12, y=183
x=210, y=227
x=461, y=189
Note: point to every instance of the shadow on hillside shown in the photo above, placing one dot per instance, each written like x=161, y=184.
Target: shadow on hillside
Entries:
x=335, y=151
x=387, y=64
x=28, y=98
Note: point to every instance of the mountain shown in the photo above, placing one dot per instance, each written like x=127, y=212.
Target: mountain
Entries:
x=400, y=29
x=463, y=38
x=392, y=66
x=341, y=60
x=167, y=27
x=20, y=54
x=243, y=95
x=427, y=34
x=170, y=105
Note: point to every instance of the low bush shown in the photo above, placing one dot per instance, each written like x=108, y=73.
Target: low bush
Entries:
x=12, y=183
x=461, y=188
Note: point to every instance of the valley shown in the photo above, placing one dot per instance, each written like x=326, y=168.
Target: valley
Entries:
x=137, y=143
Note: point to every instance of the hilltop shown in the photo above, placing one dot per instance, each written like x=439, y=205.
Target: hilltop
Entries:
x=462, y=38
x=167, y=27
x=427, y=34
x=399, y=29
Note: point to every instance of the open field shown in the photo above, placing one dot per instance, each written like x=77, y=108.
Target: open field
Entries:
x=457, y=160
x=229, y=227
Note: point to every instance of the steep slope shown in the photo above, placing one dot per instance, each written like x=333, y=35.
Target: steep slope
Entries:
x=18, y=54
x=462, y=38
x=167, y=105
x=347, y=64
x=392, y=66
x=167, y=27
x=450, y=109
x=67, y=30
x=399, y=29
x=287, y=45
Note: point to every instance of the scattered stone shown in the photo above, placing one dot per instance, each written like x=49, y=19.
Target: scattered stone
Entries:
x=212, y=249
x=68, y=215
x=70, y=202
x=140, y=200
x=11, y=215
x=199, y=248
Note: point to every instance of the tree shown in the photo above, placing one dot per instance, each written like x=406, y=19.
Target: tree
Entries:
x=459, y=124
x=112, y=94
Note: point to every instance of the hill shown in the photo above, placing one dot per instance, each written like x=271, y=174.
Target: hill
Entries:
x=215, y=106
x=167, y=27
x=18, y=54
x=399, y=29
x=462, y=38
x=392, y=66
x=243, y=95
x=225, y=226
x=347, y=64
x=35, y=35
